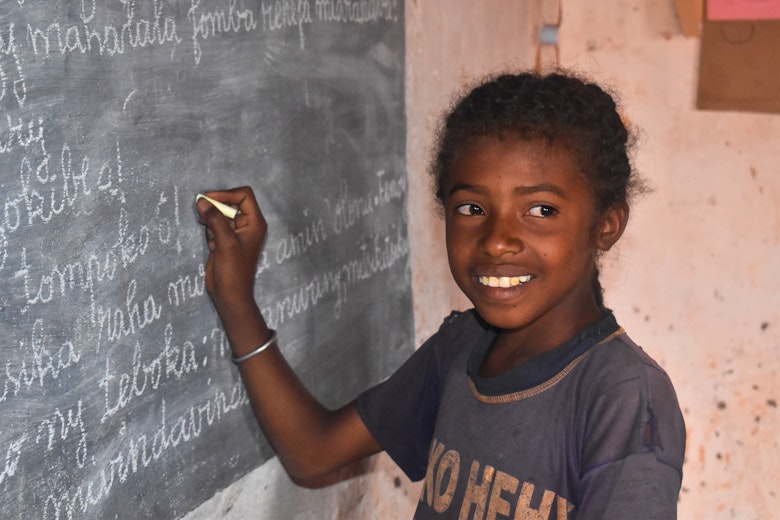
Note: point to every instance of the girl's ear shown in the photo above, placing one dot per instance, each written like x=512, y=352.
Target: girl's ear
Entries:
x=613, y=223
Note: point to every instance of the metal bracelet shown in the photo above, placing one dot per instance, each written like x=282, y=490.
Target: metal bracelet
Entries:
x=259, y=349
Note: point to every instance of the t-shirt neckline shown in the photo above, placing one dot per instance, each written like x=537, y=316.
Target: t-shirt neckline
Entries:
x=542, y=368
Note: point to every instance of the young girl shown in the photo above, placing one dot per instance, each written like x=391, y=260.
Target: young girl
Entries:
x=535, y=404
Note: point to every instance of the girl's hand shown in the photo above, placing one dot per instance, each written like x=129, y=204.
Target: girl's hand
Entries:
x=234, y=246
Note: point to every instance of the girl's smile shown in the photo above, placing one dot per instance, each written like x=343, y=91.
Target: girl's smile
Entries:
x=522, y=240
x=504, y=281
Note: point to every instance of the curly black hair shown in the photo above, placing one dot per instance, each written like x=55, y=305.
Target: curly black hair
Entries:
x=561, y=108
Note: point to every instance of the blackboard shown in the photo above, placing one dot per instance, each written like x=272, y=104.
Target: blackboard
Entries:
x=117, y=397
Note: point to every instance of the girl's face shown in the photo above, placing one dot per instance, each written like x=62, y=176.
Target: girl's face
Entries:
x=522, y=237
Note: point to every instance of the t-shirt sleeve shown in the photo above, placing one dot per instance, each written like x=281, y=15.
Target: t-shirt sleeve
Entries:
x=634, y=449
x=401, y=411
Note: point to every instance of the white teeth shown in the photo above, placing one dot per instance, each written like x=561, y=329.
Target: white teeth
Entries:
x=504, y=281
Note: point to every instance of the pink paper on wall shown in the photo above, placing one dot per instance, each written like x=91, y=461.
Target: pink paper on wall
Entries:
x=743, y=9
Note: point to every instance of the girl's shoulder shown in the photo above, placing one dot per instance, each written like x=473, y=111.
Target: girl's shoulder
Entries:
x=620, y=352
x=624, y=391
x=462, y=328
x=620, y=362
x=468, y=318
x=459, y=334
x=458, y=322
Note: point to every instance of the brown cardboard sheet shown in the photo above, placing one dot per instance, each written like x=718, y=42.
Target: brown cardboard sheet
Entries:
x=739, y=66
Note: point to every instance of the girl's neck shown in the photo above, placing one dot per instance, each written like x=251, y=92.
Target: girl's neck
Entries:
x=512, y=348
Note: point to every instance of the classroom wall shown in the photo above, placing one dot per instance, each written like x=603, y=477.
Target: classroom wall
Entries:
x=694, y=280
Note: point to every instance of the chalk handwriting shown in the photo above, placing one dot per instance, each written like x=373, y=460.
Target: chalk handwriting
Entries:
x=120, y=386
x=219, y=341
x=18, y=133
x=110, y=40
x=165, y=224
x=41, y=360
x=125, y=318
x=12, y=455
x=262, y=265
x=114, y=323
x=59, y=427
x=208, y=24
x=186, y=287
x=46, y=192
x=356, y=11
x=39, y=286
x=287, y=13
x=297, y=244
x=305, y=296
x=42, y=284
x=347, y=210
x=378, y=253
x=3, y=247
x=141, y=451
x=13, y=84
x=131, y=243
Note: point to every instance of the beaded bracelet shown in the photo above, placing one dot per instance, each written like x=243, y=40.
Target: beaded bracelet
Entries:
x=259, y=349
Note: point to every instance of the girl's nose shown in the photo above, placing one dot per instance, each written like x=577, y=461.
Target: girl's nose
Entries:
x=501, y=236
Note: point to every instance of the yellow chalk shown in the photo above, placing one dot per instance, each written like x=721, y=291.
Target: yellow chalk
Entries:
x=229, y=211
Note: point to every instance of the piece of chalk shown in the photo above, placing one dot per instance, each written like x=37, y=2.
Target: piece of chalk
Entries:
x=229, y=211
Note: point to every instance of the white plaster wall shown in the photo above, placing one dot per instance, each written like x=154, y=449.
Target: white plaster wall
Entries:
x=695, y=280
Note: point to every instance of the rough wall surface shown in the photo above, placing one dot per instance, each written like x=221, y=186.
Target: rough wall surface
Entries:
x=695, y=280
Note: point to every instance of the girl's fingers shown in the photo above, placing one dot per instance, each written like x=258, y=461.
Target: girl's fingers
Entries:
x=210, y=239
x=240, y=237
x=218, y=228
x=243, y=198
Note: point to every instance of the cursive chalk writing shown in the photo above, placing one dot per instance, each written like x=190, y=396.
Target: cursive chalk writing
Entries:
x=109, y=40
x=59, y=427
x=121, y=387
x=141, y=451
x=13, y=84
x=114, y=323
x=42, y=360
x=12, y=455
x=208, y=24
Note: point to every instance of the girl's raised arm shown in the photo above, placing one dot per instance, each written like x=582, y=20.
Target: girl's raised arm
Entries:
x=310, y=440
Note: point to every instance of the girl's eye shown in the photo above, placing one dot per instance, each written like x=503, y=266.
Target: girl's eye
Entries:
x=469, y=210
x=542, y=211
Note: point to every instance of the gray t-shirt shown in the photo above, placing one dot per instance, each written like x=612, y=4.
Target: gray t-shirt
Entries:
x=589, y=430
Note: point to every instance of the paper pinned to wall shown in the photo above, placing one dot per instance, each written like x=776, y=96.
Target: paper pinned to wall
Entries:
x=737, y=66
x=743, y=9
